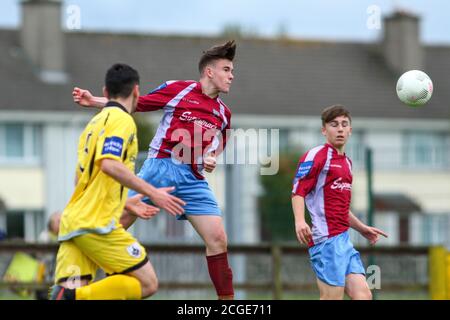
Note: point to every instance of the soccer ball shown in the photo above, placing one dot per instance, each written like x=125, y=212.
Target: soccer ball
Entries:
x=414, y=88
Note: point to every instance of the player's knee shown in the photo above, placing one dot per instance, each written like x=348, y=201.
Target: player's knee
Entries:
x=332, y=295
x=363, y=294
x=220, y=239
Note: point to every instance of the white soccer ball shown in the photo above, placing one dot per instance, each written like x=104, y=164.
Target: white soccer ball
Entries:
x=414, y=88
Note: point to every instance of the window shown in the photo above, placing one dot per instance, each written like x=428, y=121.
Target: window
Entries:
x=23, y=224
x=426, y=150
x=14, y=140
x=15, y=225
x=20, y=143
x=355, y=149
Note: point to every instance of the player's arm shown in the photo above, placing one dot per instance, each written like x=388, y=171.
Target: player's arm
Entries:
x=370, y=233
x=160, y=97
x=304, y=182
x=209, y=162
x=302, y=229
x=127, y=219
x=85, y=99
x=159, y=196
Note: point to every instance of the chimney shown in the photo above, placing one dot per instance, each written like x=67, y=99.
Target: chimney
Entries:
x=42, y=39
x=401, y=44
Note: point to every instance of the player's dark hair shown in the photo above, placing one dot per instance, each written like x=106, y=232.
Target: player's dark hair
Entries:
x=223, y=51
x=120, y=80
x=334, y=111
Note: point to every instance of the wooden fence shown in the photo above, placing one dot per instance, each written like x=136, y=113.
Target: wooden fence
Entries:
x=275, y=283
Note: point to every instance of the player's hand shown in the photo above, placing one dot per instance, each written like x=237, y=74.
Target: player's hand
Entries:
x=82, y=97
x=303, y=232
x=137, y=207
x=209, y=163
x=163, y=199
x=372, y=234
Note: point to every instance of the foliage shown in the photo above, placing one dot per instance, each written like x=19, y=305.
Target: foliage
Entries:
x=145, y=131
x=277, y=219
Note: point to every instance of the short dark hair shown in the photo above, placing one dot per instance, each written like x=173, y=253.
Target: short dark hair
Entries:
x=120, y=80
x=337, y=110
x=222, y=51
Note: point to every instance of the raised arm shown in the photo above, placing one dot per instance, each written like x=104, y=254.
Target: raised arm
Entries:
x=85, y=99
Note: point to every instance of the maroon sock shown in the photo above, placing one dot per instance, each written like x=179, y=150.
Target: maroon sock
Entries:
x=221, y=274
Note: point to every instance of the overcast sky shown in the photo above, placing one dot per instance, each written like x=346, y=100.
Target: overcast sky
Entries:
x=318, y=19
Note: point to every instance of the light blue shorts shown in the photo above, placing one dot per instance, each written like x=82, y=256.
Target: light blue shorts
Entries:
x=196, y=193
x=335, y=258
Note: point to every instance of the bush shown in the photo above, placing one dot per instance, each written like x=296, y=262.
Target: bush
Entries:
x=277, y=219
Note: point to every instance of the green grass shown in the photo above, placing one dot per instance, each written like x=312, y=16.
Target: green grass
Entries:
x=378, y=295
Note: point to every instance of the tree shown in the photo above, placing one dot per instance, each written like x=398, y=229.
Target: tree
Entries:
x=277, y=219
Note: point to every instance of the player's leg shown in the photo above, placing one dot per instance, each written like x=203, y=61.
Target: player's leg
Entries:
x=73, y=270
x=328, y=292
x=211, y=230
x=148, y=279
x=356, y=287
x=119, y=254
x=140, y=283
x=204, y=214
x=330, y=261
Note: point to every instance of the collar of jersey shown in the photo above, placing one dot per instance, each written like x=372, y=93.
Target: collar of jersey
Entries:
x=115, y=104
x=335, y=151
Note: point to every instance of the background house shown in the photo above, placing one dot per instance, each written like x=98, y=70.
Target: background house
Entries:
x=280, y=84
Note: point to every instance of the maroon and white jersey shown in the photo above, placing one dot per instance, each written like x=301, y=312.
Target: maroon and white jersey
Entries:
x=324, y=180
x=192, y=126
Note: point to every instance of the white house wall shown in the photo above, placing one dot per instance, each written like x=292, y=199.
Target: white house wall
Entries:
x=22, y=188
x=60, y=158
x=431, y=190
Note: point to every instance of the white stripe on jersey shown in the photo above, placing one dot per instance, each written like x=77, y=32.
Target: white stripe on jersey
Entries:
x=222, y=112
x=316, y=203
x=164, y=125
x=216, y=141
x=349, y=165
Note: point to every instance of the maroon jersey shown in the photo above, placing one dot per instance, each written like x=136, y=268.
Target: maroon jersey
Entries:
x=192, y=126
x=324, y=179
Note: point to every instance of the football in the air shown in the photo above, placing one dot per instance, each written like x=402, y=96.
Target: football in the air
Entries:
x=414, y=88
